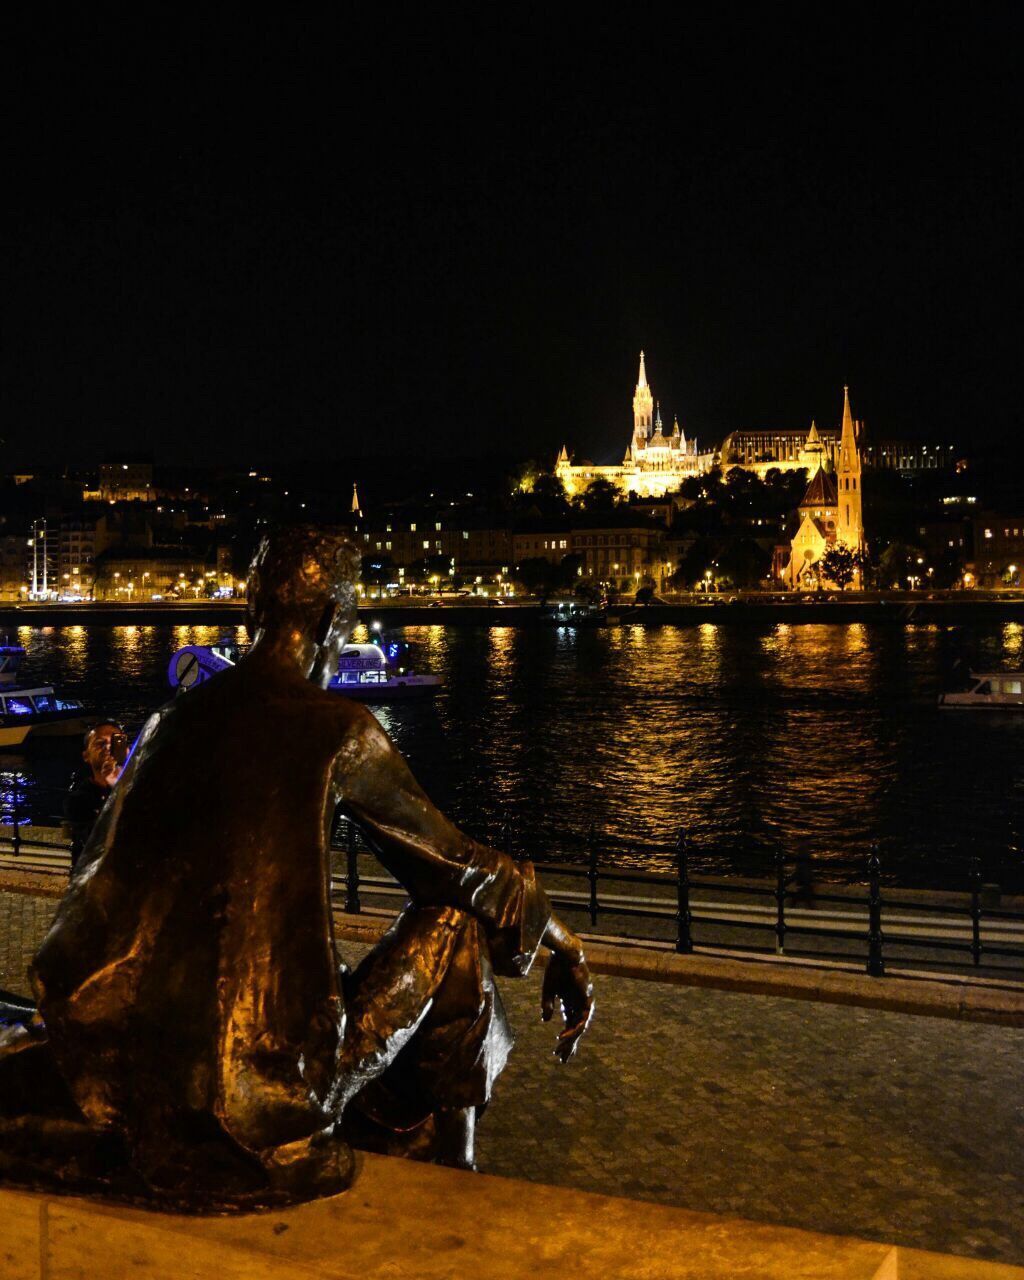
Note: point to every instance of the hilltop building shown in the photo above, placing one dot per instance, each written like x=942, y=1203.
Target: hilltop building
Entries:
x=655, y=463
x=831, y=511
x=784, y=449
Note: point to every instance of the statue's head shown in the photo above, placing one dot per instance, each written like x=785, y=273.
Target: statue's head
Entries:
x=302, y=587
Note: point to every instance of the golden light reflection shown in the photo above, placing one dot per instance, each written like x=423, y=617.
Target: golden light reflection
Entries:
x=1013, y=639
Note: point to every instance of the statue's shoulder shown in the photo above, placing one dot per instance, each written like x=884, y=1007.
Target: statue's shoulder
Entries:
x=354, y=728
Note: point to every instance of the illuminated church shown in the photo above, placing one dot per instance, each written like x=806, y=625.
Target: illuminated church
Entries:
x=656, y=463
x=830, y=512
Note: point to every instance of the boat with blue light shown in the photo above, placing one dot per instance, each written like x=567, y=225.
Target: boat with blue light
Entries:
x=364, y=672
x=30, y=712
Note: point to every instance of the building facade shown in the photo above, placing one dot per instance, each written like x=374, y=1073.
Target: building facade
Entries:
x=780, y=450
x=998, y=549
x=655, y=462
x=126, y=482
x=624, y=557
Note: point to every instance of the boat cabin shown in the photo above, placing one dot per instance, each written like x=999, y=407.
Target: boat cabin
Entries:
x=995, y=690
x=361, y=664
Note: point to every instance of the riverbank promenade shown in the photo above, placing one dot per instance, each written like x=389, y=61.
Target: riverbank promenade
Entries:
x=834, y=1119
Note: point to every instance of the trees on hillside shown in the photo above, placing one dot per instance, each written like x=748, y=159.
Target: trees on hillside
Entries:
x=599, y=496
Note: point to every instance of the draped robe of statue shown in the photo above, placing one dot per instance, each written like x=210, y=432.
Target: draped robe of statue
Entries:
x=196, y=1042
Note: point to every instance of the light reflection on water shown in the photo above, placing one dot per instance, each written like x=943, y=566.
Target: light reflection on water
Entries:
x=819, y=738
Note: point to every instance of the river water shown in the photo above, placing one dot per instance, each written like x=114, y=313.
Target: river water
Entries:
x=821, y=738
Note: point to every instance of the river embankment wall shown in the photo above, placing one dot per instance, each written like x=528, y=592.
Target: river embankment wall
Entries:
x=894, y=610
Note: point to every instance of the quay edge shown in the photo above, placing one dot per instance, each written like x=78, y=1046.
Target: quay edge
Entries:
x=893, y=610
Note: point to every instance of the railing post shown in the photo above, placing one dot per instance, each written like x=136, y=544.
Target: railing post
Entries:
x=352, y=903
x=592, y=872
x=780, y=903
x=684, y=938
x=876, y=965
x=15, y=819
x=976, y=910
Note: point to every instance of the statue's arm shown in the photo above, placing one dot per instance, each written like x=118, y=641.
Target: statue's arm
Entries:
x=436, y=862
x=440, y=865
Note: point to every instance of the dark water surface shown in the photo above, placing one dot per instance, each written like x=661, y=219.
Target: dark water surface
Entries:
x=823, y=738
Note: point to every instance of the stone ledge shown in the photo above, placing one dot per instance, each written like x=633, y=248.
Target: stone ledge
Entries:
x=945, y=996
x=405, y=1219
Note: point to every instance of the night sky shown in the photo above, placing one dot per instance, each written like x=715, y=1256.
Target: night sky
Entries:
x=323, y=239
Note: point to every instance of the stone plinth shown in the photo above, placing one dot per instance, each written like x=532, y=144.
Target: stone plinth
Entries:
x=408, y=1220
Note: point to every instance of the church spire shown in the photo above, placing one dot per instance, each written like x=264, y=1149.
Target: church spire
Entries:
x=356, y=509
x=847, y=415
x=850, y=521
x=643, y=406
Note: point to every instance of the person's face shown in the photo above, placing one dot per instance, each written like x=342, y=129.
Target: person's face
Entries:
x=105, y=753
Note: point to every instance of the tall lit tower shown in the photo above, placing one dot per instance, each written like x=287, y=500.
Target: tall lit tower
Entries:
x=849, y=517
x=643, y=407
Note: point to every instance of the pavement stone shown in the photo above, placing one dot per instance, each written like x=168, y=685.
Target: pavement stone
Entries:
x=24, y=920
x=833, y=1118
x=850, y=1121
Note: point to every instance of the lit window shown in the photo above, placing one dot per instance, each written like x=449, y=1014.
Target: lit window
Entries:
x=437, y=526
x=988, y=533
x=412, y=528
x=426, y=544
x=465, y=534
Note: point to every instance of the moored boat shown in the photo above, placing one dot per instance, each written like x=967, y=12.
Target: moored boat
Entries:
x=989, y=691
x=573, y=612
x=30, y=712
x=365, y=673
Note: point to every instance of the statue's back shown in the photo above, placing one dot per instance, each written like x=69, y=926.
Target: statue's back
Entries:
x=203, y=905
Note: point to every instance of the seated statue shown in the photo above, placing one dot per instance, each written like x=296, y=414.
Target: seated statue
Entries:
x=196, y=1045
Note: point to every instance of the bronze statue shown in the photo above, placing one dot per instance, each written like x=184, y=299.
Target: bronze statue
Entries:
x=196, y=1046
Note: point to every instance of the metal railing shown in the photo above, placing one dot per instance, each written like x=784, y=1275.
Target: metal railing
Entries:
x=691, y=907
x=785, y=905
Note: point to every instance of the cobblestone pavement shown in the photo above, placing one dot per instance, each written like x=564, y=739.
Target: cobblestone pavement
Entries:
x=23, y=924
x=852, y=1121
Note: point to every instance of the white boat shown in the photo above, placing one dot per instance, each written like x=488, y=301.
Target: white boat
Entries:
x=34, y=711
x=364, y=671
x=989, y=691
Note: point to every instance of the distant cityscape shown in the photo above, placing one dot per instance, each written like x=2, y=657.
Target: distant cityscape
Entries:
x=764, y=510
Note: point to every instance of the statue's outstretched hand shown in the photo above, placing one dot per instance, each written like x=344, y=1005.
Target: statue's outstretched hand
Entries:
x=567, y=981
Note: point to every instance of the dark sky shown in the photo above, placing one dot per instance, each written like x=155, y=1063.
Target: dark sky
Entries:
x=324, y=239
